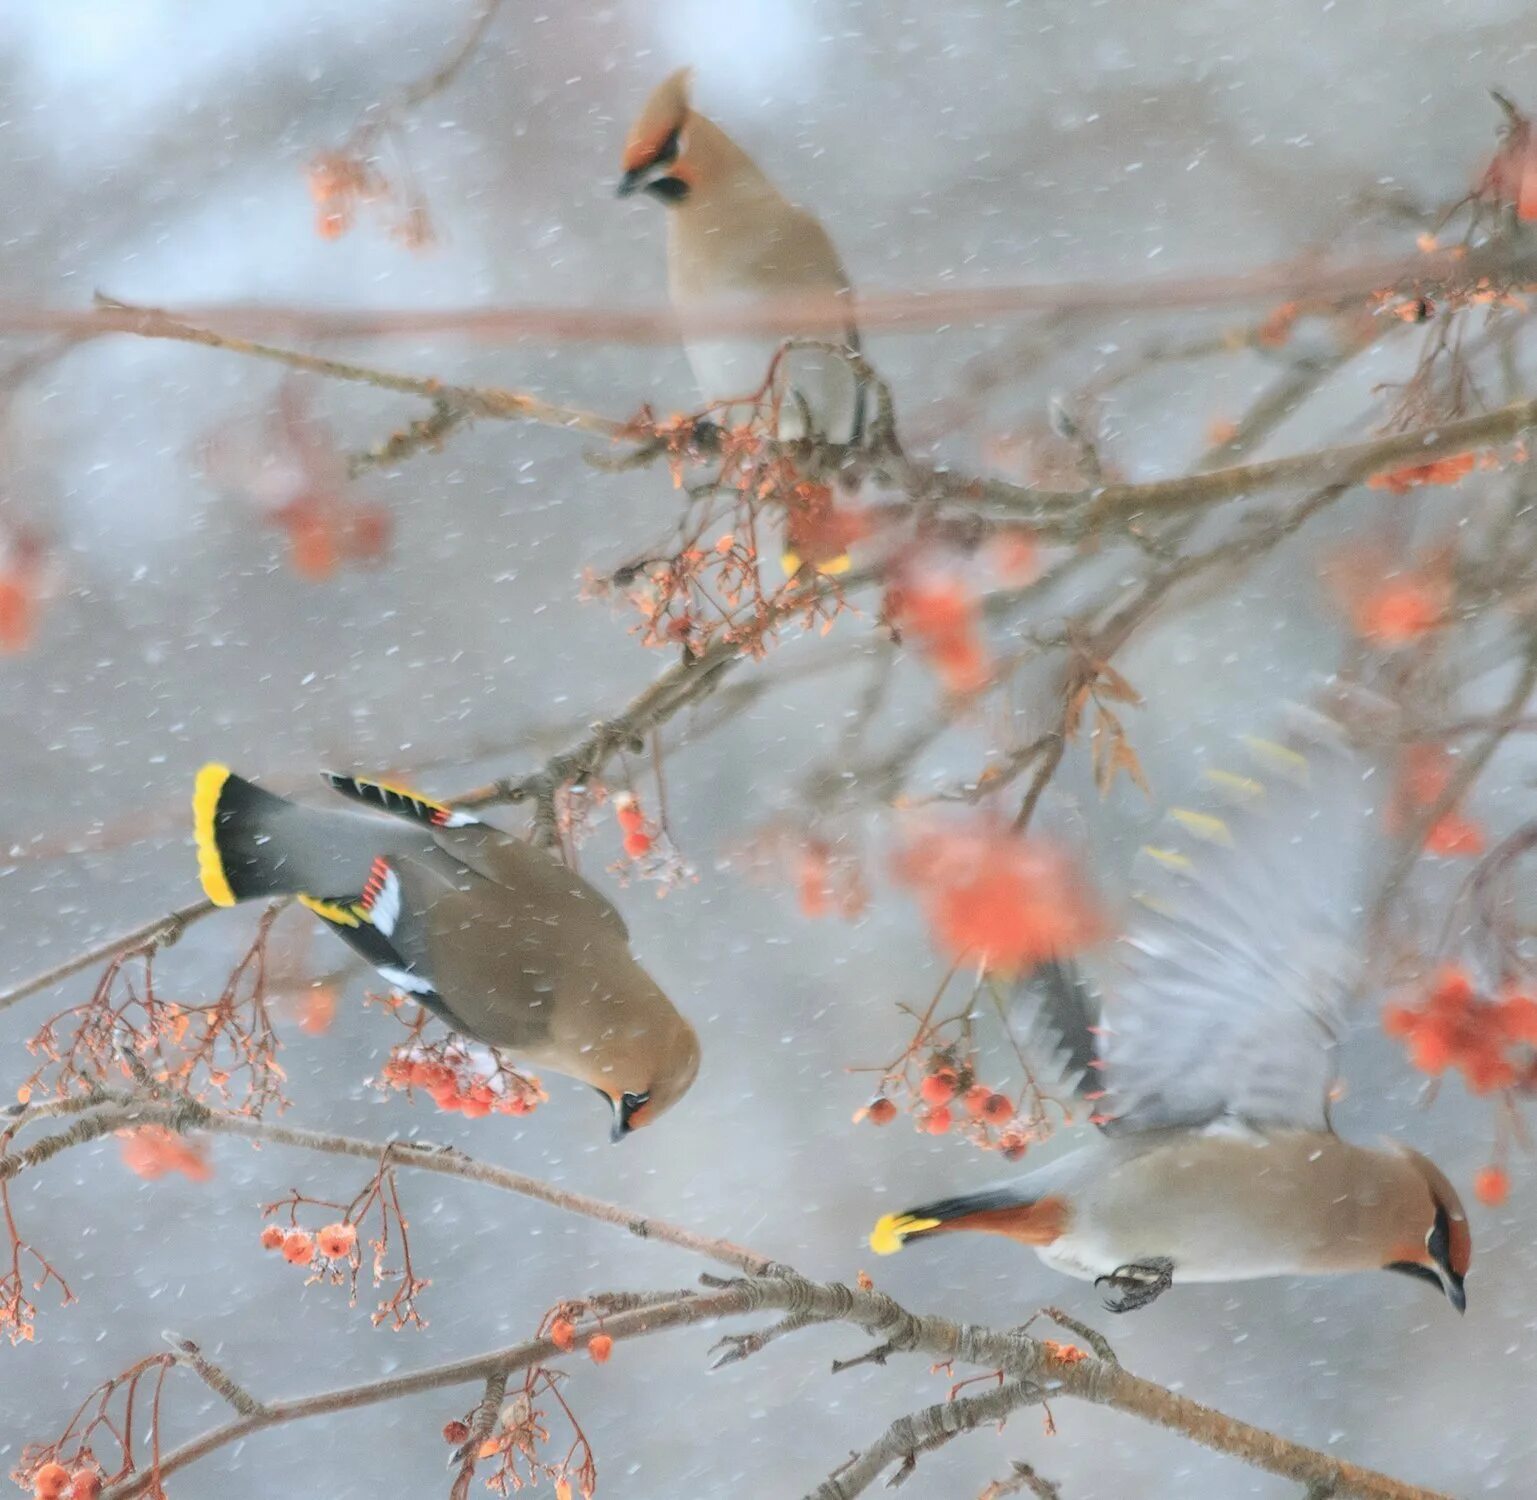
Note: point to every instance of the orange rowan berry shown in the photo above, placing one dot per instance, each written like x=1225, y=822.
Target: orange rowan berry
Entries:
x=998, y=1108
x=599, y=1347
x=1492, y=1186
x=938, y=1087
x=976, y=1100
x=637, y=845
x=336, y=1241
x=298, y=1248
x=86, y=1485
x=50, y=1481
x=562, y=1334
x=272, y=1237
x=881, y=1111
x=937, y=1121
x=455, y=1432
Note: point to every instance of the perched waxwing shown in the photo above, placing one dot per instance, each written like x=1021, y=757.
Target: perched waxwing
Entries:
x=1210, y=1061
x=734, y=240
x=499, y=939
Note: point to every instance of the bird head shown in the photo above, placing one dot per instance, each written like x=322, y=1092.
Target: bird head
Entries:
x=654, y=154
x=648, y=1078
x=1437, y=1247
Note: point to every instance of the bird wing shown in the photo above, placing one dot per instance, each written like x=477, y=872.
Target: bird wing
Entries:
x=536, y=880
x=1237, y=972
x=1059, y=1014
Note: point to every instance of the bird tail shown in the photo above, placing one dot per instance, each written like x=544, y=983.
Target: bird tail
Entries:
x=251, y=844
x=1007, y=1211
x=235, y=859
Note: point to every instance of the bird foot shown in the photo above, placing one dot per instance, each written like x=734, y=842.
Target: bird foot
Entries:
x=1137, y=1284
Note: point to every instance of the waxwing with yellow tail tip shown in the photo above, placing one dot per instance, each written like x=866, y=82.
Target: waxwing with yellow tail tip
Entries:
x=1210, y=1063
x=499, y=939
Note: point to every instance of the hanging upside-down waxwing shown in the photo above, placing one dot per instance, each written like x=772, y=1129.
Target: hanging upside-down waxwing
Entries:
x=1211, y=1062
x=497, y=938
x=734, y=240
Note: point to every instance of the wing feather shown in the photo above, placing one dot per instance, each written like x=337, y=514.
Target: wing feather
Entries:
x=1236, y=974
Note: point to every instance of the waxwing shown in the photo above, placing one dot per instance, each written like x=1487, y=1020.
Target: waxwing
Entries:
x=1210, y=1061
x=499, y=939
x=734, y=240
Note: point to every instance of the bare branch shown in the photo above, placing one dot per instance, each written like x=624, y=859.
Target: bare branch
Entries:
x=1031, y=1371
x=1021, y=1479
x=807, y=314
x=118, y=1111
x=214, y=1376
x=922, y=1432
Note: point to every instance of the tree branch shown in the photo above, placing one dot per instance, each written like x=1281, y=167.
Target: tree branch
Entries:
x=120, y=1111
x=1031, y=1369
x=804, y=314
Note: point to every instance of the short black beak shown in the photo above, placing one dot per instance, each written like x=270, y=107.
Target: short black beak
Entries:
x=1456, y=1294
x=631, y=182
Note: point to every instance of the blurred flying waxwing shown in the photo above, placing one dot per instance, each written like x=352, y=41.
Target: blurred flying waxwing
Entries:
x=497, y=938
x=734, y=240
x=1215, y=1159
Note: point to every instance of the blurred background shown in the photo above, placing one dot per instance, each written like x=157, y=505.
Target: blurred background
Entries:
x=158, y=153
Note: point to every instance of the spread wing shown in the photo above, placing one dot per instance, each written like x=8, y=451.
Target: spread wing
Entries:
x=1238, y=969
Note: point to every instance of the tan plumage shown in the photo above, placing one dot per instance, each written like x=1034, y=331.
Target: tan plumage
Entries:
x=733, y=239
x=1216, y=1160
x=506, y=944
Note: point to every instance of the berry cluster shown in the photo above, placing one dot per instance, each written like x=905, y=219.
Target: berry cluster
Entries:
x=949, y=1096
x=457, y=1082
x=54, y=1482
x=335, y=1243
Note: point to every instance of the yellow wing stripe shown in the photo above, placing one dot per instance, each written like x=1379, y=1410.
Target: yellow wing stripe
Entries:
x=1282, y=758
x=1170, y=859
x=210, y=863
x=342, y=916
x=1245, y=787
x=887, y=1236
x=1203, y=825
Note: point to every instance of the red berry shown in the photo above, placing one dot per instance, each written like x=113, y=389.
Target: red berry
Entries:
x=937, y=1121
x=599, y=1347
x=272, y=1237
x=336, y=1241
x=881, y=1111
x=997, y=1108
x=1491, y=1186
x=298, y=1248
x=938, y=1088
x=976, y=1100
x=562, y=1334
x=455, y=1432
x=86, y=1485
x=50, y=1482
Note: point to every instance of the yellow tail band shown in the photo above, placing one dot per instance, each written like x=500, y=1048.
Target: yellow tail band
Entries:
x=210, y=864
x=831, y=567
x=887, y=1236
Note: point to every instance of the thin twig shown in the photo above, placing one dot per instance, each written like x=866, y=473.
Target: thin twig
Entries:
x=117, y=1111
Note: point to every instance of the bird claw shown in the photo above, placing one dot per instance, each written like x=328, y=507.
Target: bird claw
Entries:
x=1138, y=1283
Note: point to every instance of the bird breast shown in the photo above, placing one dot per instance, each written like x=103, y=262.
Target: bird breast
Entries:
x=1230, y=1206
